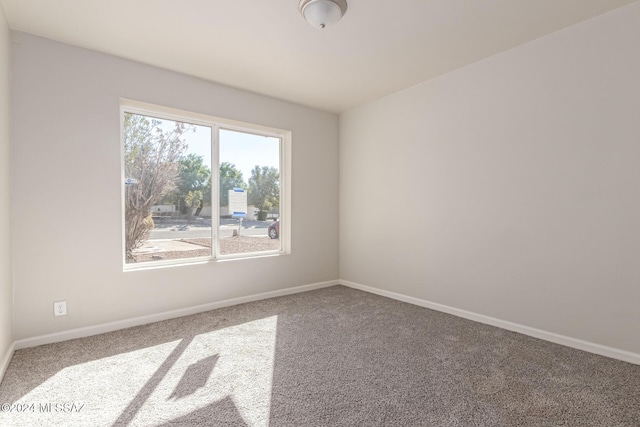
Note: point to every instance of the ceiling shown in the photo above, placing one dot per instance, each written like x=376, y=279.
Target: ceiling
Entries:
x=265, y=46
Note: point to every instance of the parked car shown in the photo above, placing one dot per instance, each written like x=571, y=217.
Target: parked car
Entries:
x=274, y=229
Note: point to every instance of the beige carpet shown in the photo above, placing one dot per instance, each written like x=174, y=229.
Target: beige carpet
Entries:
x=332, y=357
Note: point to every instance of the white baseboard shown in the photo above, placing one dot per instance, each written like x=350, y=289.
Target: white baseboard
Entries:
x=6, y=358
x=602, y=350
x=143, y=320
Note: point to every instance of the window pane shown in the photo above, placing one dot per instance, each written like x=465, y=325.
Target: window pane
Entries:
x=167, y=166
x=249, y=193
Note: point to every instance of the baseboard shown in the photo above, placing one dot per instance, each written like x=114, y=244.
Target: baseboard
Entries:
x=602, y=350
x=143, y=320
x=6, y=358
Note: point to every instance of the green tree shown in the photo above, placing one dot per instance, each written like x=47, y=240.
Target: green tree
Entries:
x=264, y=188
x=193, y=174
x=151, y=160
x=230, y=178
x=194, y=179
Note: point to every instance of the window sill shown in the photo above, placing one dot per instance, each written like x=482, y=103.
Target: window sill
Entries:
x=152, y=265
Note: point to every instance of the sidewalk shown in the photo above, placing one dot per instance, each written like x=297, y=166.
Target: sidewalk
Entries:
x=166, y=245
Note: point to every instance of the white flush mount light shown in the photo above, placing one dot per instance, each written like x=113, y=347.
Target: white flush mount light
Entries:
x=322, y=13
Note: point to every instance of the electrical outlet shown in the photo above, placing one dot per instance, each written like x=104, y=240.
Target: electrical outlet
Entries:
x=60, y=308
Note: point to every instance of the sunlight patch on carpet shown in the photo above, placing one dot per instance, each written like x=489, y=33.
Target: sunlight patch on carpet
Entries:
x=225, y=374
x=238, y=362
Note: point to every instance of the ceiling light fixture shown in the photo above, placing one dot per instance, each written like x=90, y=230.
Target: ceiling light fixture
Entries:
x=322, y=13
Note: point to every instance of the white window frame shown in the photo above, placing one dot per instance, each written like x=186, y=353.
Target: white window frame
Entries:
x=216, y=124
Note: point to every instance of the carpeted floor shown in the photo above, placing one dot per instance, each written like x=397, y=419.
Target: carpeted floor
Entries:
x=331, y=357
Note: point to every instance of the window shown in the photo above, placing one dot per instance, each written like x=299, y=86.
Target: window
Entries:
x=199, y=188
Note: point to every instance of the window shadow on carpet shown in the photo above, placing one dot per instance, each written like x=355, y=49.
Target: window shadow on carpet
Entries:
x=195, y=377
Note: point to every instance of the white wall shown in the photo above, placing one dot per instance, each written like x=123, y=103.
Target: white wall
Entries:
x=6, y=289
x=66, y=156
x=525, y=170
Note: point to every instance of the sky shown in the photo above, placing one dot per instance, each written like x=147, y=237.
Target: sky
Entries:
x=244, y=150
